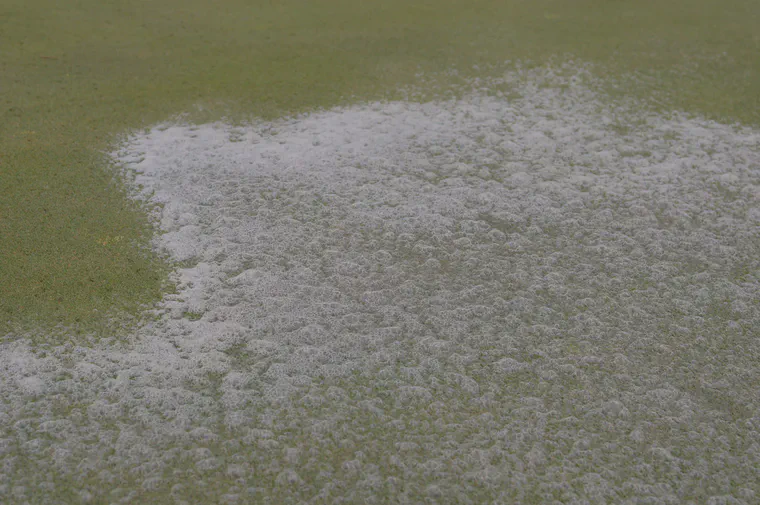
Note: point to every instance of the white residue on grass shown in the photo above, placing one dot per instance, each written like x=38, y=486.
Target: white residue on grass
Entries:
x=547, y=299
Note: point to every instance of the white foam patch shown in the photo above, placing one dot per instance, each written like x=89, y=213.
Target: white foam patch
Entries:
x=468, y=301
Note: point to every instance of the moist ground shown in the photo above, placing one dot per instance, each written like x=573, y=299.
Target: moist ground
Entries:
x=535, y=298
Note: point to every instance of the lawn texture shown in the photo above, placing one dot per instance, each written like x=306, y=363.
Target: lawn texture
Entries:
x=76, y=76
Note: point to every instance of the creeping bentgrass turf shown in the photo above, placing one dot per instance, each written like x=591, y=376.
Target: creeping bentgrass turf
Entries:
x=75, y=75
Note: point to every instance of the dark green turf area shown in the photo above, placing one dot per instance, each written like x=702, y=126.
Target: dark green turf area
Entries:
x=75, y=75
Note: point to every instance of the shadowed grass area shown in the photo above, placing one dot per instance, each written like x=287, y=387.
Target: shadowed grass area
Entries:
x=75, y=75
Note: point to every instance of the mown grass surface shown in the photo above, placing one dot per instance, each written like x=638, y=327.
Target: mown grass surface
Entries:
x=74, y=75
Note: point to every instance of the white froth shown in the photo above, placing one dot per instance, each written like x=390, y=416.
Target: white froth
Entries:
x=465, y=301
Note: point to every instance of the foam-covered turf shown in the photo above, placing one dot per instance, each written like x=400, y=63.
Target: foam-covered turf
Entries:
x=543, y=299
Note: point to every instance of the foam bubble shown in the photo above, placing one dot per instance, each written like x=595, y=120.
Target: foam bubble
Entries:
x=476, y=297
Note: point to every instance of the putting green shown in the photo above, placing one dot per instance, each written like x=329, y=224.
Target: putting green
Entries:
x=75, y=75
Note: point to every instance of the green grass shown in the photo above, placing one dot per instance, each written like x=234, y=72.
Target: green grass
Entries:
x=75, y=75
